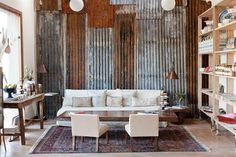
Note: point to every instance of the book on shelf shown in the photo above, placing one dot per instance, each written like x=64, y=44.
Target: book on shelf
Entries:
x=207, y=109
x=228, y=118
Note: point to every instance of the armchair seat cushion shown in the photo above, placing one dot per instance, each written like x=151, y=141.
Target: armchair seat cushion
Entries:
x=127, y=128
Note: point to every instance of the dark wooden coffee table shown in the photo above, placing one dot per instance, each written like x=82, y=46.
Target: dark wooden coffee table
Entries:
x=168, y=115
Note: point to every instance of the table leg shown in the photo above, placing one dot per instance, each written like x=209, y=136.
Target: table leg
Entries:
x=41, y=114
x=22, y=126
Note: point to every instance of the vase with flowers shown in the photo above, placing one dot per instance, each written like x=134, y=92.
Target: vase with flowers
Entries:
x=29, y=83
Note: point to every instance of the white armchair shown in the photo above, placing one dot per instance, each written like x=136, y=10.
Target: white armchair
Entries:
x=145, y=125
x=87, y=125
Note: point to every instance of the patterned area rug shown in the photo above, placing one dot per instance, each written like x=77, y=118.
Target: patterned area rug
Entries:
x=171, y=139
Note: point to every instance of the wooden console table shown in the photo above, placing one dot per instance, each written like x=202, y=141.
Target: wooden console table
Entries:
x=20, y=105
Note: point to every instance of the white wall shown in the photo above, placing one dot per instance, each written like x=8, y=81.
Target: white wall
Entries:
x=29, y=18
x=28, y=13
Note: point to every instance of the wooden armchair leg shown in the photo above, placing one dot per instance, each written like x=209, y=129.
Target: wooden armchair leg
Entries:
x=107, y=137
x=82, y=139
x=131, y=144
x=157, y=146
x=74, y=142
x=97, y=144
x=126, y=137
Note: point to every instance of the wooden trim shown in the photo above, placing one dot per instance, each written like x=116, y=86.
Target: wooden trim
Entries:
x=19, y=13
x=10, y=9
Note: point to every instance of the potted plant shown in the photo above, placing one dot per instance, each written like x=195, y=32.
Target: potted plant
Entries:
x=181, y=99
x=29, y=74
x=29, y=84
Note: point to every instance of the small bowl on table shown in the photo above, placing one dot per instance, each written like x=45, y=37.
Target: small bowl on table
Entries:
x=10, y=91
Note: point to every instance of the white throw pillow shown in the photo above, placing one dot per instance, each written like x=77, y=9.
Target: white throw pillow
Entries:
x=127, y=97
x=114, y=101
x=67, y=101
x=98, y=101
x=98, y=97
x=82, y=101
x=143, y=102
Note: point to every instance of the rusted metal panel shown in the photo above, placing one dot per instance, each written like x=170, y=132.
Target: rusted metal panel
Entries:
x=100, y=14
x=125, y=9
x=107, y=53
x=194, y=8
x=75, y=44
x=124, y=51
x=126, y=2
x=50, y=53
x=122, y=2
x=161, y=42
x=48, y=5
x=100, y=58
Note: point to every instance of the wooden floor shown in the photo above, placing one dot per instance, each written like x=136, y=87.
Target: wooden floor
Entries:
x=221, y=146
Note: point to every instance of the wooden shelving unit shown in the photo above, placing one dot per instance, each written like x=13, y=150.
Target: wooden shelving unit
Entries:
x=209, y=83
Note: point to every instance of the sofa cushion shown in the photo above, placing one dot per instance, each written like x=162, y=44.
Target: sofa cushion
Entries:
x=98, y=97
x=67, y=101
x=114, y=93
x=114, y=101
x=98, y=101
x=127, y=97
x=82, y=101
x=141, y=102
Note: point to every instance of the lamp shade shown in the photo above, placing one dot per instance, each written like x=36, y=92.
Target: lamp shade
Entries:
x=42, y=69
x=172, y=76
x=168, y=4
x=76, y=5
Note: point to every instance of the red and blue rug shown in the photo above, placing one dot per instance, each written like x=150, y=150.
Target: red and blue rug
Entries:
x=171, y=139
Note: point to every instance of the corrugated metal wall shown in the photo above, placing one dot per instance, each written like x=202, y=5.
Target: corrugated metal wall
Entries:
x=75, y=51
x=120, y=2
x=50, y=52
x=100, y=58
x=125, y=44
x=149, y=9
x=93, y=55
x=161, y=42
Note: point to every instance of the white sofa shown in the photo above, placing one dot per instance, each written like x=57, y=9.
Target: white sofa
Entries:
x=109, y=100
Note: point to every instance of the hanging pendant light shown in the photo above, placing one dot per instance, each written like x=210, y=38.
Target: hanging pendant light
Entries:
x=168, y=4
x=76, y=5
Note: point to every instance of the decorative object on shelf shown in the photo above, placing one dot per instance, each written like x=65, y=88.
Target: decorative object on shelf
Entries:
x=76, y=5
x=231, y=43
x=206, y=44
x=224, y=15
x=29, y=84
x=168, y=5
x=221, y=89
x=224, y=69
x=206, y=69
x=164, y=100
x=10, y=88
x=222, y=111
x=228, y=118
x=207, y=109
x=208, y=27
